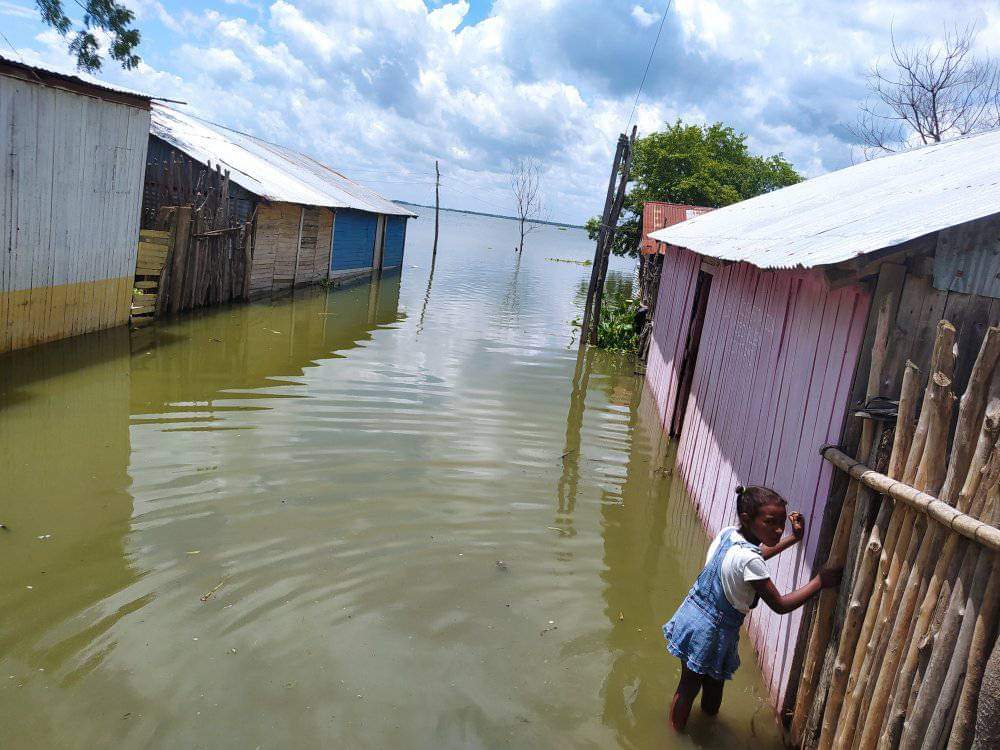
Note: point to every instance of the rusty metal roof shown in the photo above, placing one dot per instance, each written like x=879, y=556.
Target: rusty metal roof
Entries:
x=854, y=211
x=659, y=214
x=266, y=169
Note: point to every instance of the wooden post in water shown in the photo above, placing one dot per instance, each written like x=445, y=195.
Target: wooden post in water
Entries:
x=609, y=237
x=437, y=209
x=585, y=326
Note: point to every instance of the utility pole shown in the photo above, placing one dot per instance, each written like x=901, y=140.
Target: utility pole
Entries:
x=437, y=208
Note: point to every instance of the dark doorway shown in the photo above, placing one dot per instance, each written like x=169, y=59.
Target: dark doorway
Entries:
x=701, y=292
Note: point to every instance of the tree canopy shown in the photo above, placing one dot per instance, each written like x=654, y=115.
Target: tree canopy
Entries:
x=105, y=15
x=707, y=165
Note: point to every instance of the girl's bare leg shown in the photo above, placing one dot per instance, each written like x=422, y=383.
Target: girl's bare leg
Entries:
x=711, y=695
x=687, y=691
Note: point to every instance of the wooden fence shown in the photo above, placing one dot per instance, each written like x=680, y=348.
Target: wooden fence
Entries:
x=209, y=252
x=909, y=646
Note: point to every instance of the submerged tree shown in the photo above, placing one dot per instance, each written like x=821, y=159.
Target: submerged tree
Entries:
x=929, y=92
x=707, y=165
x=104, y=15
x=525, y=179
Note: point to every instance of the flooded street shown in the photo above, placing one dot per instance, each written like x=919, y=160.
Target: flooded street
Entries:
x=366, y=517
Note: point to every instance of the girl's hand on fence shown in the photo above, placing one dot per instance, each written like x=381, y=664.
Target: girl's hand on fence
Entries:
x=798, y=524
x=830, y=577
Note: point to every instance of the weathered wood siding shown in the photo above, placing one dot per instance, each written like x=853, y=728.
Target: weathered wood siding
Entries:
x=775, y=365
x=670, y=329
x=291, y=247
x=71, y=175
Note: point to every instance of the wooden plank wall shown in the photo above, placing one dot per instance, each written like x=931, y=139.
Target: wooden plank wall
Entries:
x=71, y=171
x=670, y=328
x=291, y=247
x=771, y=383
x=313, y=261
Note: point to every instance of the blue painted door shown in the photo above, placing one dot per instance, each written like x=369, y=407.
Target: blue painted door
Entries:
x=395, y=235
x=353, y=240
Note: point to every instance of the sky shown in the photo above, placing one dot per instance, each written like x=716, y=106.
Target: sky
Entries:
x=380, y=89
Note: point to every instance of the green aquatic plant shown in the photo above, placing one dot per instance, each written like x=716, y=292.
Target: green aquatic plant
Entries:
x=616, y=331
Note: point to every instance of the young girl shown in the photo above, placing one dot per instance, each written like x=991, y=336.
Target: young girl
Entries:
x=705, y=629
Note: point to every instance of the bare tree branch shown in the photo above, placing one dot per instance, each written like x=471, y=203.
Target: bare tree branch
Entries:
x=525, y=179
x=928, y=93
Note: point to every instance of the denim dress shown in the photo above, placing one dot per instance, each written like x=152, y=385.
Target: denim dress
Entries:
x=705, y=630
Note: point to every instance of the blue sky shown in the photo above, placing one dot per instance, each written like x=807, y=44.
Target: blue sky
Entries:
x=380, y=89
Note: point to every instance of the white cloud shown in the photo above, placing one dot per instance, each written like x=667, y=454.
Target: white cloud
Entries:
x=385, y=87
x=643, y=17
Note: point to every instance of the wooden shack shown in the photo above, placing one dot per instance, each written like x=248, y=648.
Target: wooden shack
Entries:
x=765, y=323
x=71, y=171
x=298, y=204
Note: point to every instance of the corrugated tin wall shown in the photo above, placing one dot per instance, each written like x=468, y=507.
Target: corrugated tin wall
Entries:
x=71, y=171
x=770, y=387
x=670, y=328
x=395, y=234
x=353, y=240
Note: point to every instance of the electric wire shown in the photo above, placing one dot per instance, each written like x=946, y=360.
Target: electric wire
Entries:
x=649, y=62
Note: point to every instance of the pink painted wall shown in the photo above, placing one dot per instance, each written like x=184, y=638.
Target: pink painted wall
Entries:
x=670, y=327
x=770, y=387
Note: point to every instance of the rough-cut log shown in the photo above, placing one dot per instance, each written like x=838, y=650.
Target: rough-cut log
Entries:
x=929, y=476
x=927, y=722
x=987, y=735
x=942, y=513
x=964, y=725
x=857, y=680
x=983, y=387
x=822, y=623
x=899, y=548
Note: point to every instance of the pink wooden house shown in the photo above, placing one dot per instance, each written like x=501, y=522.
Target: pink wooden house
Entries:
x=763, y=330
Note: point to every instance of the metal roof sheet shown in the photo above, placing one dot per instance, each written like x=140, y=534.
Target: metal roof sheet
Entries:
x=85, y=82
x=855, y=210
x=266, y=169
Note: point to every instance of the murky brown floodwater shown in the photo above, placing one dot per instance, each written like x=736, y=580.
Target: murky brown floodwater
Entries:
x=278, y=525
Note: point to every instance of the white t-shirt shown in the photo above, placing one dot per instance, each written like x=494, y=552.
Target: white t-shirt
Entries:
x=740, y=566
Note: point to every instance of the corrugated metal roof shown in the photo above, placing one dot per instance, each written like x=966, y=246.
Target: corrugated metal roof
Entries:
x=659, y=214
x=48, y=76
x=266, y=169
x=853, y=211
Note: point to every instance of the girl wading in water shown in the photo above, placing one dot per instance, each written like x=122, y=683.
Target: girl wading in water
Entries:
x=705, y=629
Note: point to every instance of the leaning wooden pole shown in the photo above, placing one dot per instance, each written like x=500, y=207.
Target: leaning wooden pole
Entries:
x=437, y=209
x=822, y=622
x=601, y=234
x=609, y=238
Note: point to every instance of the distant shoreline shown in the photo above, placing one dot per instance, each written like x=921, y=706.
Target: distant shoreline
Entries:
x=494, y=216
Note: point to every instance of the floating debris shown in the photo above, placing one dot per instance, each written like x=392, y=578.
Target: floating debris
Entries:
x=215, y=588
x=503, y=566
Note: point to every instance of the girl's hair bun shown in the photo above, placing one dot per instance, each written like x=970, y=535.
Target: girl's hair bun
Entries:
x=751, y=499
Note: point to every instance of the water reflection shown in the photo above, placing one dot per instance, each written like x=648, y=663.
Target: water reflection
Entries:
x=301, y=523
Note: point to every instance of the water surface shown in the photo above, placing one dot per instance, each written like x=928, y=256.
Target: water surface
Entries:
x=396, y=514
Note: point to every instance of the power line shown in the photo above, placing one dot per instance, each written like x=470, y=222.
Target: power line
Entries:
x=648, y=63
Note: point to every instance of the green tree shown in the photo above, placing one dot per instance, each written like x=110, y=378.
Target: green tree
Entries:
x=106, y=15
x=702, y=165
